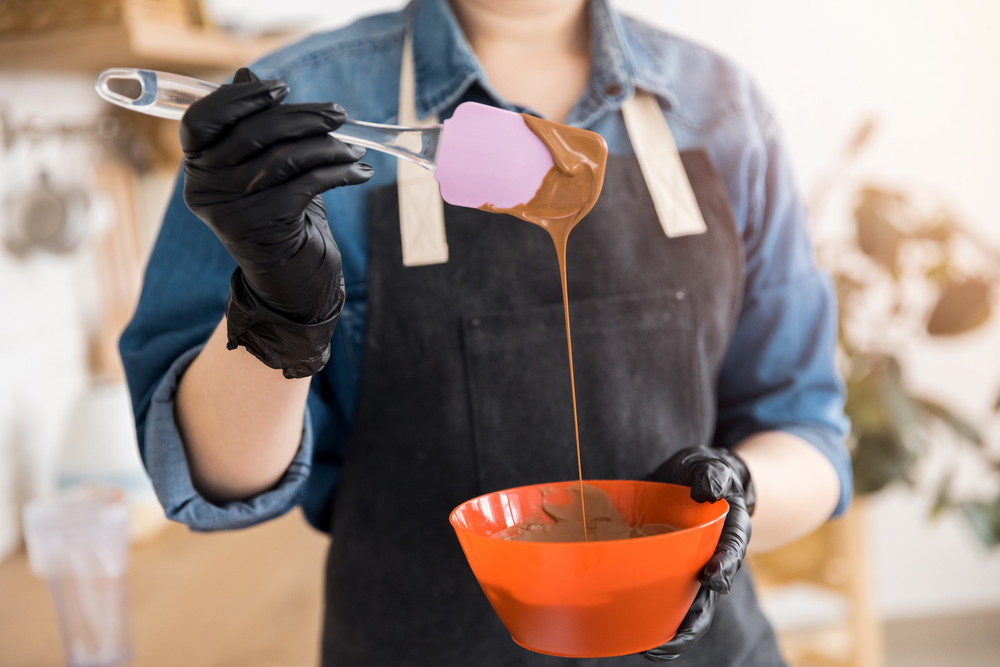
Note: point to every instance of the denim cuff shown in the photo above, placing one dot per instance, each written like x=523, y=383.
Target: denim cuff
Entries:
x=167, y=465
x=833, y=447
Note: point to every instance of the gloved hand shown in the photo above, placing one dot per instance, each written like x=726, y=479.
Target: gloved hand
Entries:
x=254, y=170
x=712, y=473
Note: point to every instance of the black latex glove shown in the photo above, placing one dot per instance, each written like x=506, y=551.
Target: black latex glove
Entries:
x=254, y=170
x=712, y=473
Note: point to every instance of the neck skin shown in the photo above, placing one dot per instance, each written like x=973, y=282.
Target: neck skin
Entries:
x=536, y=53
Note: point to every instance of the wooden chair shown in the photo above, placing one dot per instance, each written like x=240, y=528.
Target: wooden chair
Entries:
x=833, y=559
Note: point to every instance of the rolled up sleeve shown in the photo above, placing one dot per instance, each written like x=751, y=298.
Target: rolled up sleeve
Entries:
x=780, y=375
x=167, y=465
x=183, y=299
x=780, y=369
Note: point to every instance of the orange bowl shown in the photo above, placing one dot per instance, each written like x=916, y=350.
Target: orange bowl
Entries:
x=591, y=599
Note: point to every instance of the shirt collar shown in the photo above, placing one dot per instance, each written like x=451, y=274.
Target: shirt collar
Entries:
x=445, y=66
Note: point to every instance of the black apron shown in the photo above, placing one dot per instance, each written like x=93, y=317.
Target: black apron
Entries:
x=465, y=390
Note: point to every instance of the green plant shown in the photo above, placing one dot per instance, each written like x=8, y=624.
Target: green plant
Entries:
x=905, y=274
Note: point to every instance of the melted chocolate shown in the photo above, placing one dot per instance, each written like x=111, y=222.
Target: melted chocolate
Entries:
x=573, y=184
x=567, y=193
x=560, y=521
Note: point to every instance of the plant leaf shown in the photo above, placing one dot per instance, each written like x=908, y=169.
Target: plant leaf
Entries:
x=879, y=459
x=846, y=283
x=903, y=407
x=864, y=406
x=952, y=421
x=877, y=236
x=942, y=499
x=861, y=137
x=883, y=420
x=940, y=273
x=985, y=521
x=940, y=234
x=938, y=228
x=961, y=308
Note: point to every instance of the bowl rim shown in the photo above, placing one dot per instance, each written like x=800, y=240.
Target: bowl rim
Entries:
x=587, y=545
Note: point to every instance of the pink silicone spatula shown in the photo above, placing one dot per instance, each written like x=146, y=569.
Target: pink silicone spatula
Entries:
x=481, y=155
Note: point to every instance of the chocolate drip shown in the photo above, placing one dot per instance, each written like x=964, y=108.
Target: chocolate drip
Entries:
x=573, y=184
x=559, y=520
x=567, y=193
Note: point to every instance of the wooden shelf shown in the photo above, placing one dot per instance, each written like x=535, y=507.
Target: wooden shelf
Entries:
x=136, y=39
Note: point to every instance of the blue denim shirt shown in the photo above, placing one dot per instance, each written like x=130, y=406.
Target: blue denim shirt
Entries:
x=779, y=371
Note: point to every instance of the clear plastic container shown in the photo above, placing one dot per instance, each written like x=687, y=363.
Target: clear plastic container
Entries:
x=78, y=542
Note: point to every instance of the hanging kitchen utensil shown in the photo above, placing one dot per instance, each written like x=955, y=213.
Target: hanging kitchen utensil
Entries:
x=46, y=217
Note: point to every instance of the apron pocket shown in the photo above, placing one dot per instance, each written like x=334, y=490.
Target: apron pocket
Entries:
x=635, y=384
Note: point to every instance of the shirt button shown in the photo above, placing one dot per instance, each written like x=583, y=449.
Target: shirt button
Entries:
x=679, y=295
x=613, y=89
x=475, y=322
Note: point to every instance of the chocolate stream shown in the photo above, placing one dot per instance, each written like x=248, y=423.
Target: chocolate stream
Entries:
x=567, y=193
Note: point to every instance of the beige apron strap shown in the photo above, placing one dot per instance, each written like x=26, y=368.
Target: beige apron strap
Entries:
x=661, y=166
x=421, y=211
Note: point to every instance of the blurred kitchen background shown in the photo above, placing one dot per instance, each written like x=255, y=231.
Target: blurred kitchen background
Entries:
x=890, y=109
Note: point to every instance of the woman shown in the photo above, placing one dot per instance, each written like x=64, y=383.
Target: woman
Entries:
x=702, y=358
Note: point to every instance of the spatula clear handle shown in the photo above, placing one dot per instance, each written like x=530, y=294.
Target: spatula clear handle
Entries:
x=169, y=95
